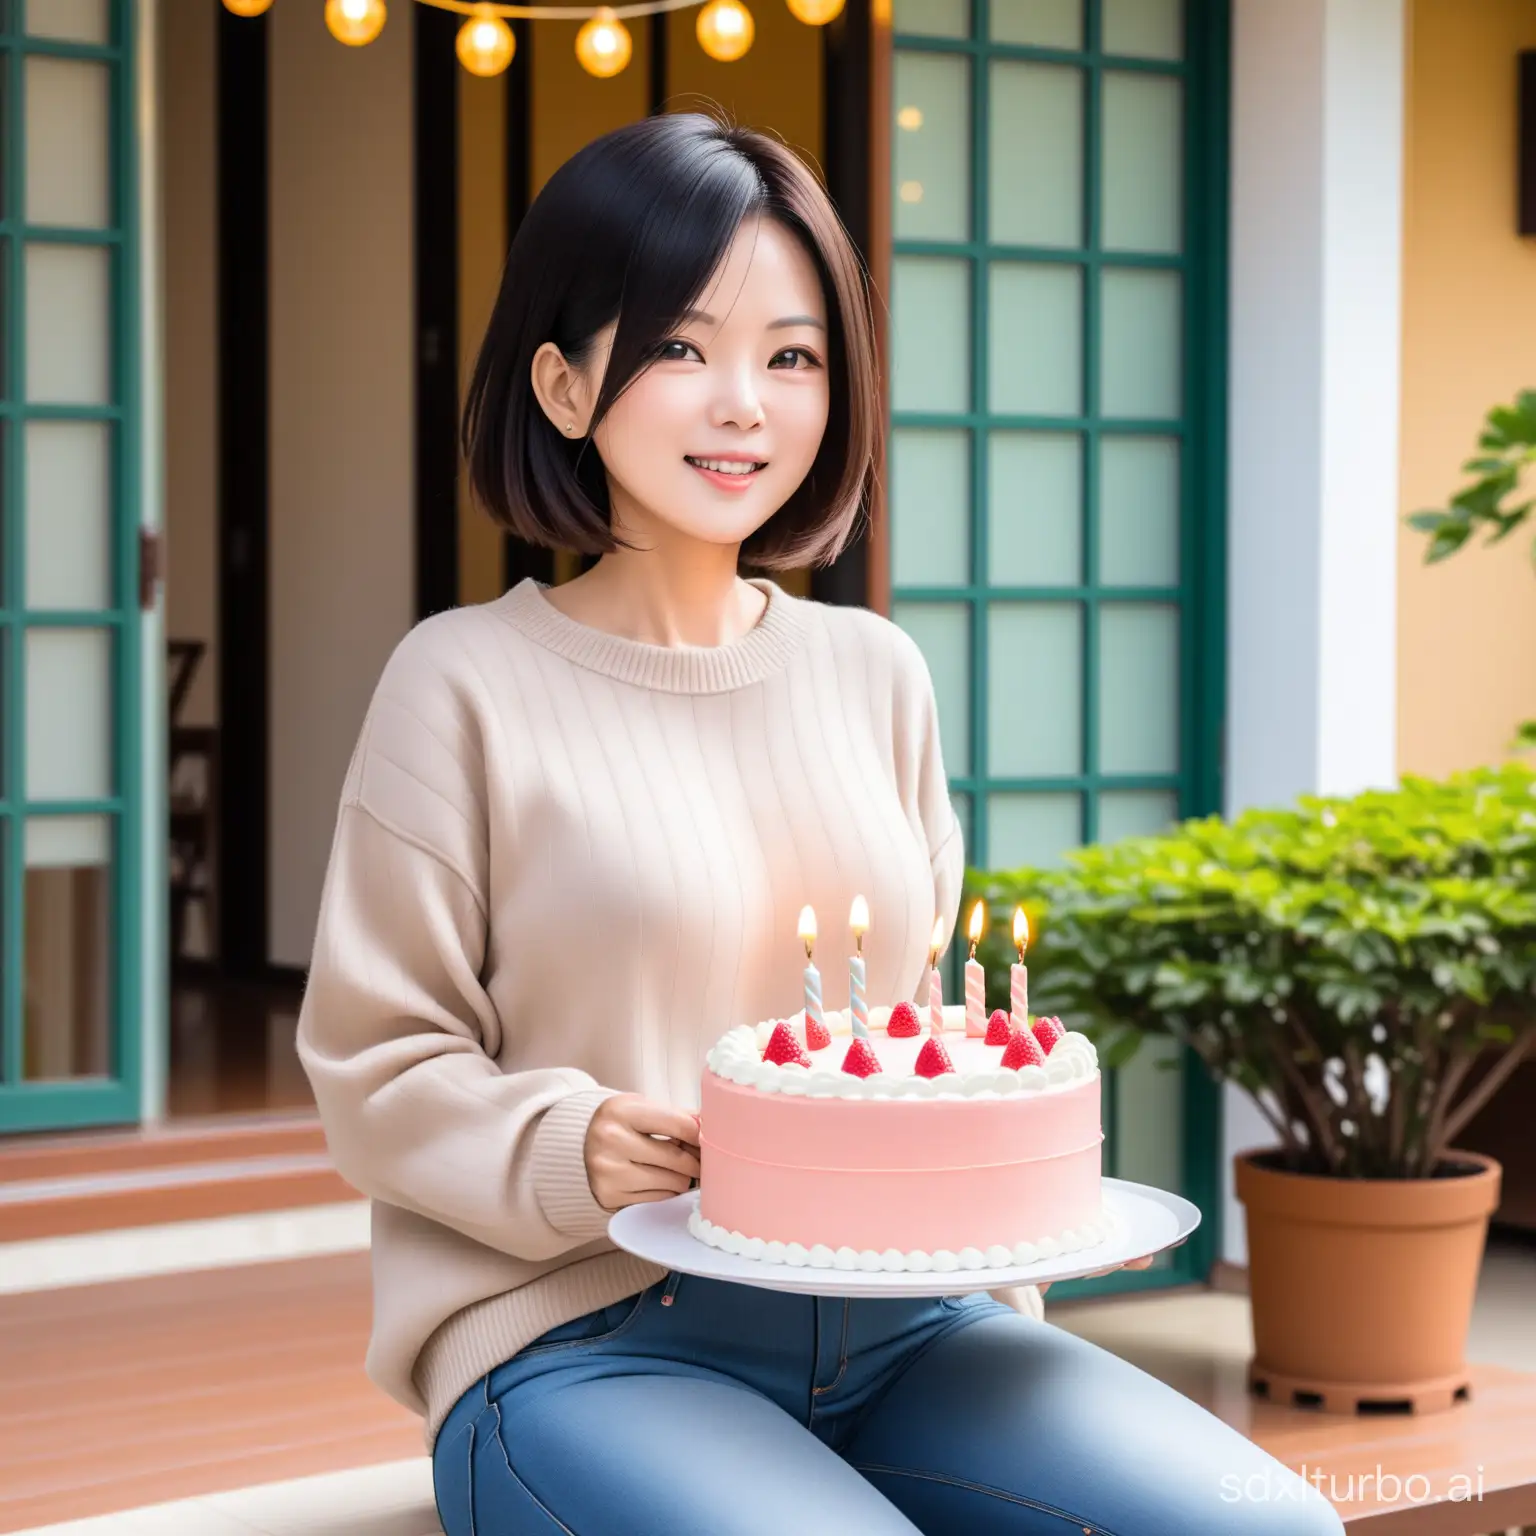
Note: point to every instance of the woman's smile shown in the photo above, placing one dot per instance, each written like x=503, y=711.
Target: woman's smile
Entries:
x=731, y=472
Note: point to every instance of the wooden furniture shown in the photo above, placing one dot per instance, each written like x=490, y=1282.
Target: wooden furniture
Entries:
x=193, y=797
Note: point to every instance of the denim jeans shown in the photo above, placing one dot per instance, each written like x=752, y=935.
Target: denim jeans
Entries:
x=700, y=1408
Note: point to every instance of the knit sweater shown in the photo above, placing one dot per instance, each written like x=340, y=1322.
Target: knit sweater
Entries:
x=564, y=864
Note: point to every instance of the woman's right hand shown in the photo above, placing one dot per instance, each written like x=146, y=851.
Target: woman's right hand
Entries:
x=637, y=1150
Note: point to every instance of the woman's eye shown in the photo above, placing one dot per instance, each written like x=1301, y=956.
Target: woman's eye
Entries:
x=675, y=351
x=798, y=357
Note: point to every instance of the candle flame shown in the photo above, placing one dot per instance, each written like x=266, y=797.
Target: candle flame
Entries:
x=858, y=920
x=937, y=942
x=977, y=923
x=1020, y=932
x=808, y=929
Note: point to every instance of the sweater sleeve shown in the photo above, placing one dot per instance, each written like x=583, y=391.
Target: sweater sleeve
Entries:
x=396, y=1033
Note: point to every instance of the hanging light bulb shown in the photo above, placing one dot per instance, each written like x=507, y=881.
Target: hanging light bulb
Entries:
x=485, y=44
x=354, y=22
x=725, y=29
x=604, y=45
x=815, y=13
x=247, y=7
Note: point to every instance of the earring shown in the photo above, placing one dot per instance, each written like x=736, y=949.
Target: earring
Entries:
x=570, y=426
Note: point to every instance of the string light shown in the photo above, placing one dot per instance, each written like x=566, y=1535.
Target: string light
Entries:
x=355, y=22
x=815, y=13
x=485, y=45
x=247, y=7
x=604, y=45
x=725, y=30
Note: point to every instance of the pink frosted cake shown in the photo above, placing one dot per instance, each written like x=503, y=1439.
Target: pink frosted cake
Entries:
x=941, y=1153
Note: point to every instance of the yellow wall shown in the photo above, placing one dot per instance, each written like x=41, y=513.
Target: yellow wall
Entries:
x=1467, y=627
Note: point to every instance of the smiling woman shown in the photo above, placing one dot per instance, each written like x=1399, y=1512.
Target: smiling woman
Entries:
x=682, y=341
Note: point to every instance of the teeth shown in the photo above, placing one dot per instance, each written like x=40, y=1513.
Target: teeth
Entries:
x=724, y=466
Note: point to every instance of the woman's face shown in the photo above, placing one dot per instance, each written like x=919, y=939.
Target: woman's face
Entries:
x=716, y=435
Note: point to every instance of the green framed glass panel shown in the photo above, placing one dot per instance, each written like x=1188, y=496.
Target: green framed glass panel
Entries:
x=932, y=146
x=1144, y=29
x=931, y=357
x=1090, y=635
x=1035, y=509
x=1035, y=339
x=1038, y=23
x=933, y=18
x=931, y=507
x=71, y=832
x=1035, y=159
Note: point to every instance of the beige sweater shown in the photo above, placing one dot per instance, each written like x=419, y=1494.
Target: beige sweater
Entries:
x=564, y=864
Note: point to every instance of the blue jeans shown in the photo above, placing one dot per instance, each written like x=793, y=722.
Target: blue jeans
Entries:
x=699, y=1408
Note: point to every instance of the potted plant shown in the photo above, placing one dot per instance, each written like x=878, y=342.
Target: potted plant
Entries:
x=1347, y=963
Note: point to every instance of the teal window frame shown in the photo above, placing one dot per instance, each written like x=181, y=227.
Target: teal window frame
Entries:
x=1201, y=432
x=115, y=1098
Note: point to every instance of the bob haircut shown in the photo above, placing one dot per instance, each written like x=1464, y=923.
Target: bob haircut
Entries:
x=631, y=229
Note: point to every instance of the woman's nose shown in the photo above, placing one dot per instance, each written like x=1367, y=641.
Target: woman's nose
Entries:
x=738, y=403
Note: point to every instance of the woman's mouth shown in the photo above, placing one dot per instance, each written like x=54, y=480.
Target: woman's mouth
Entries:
x=729, y=474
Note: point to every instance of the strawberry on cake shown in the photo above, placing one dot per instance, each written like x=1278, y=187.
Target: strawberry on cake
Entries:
x=902, y=1150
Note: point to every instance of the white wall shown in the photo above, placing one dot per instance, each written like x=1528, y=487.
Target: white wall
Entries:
x=342, y=415
x=1316, y=238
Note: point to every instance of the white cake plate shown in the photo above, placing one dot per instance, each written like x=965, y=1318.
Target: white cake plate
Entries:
x=1147, y=1221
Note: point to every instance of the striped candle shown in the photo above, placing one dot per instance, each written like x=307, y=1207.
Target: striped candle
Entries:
x=858, y=1000
x=812, y=975
x=1018, y=976
x=935, y=1002
x=975, y=999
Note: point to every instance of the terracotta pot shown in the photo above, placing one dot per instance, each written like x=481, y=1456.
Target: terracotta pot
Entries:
x=1362, y=1289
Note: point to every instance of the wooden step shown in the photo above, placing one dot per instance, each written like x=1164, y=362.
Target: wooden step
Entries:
x=100, y=1181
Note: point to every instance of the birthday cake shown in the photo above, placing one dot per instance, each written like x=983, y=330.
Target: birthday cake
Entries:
x=882, y=1144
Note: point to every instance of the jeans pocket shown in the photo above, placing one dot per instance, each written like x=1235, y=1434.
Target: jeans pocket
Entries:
x=453, y=1482
x=592, y=1328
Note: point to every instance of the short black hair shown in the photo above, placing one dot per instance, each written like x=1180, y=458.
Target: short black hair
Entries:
x=631, y=228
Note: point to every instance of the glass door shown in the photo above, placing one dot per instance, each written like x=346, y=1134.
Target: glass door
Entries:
x=1056, y=474
x=69, y=613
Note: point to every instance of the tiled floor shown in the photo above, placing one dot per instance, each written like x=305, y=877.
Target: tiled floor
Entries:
x=394, y=1498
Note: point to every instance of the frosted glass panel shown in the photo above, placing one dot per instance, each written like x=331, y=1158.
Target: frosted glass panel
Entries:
x=68, y=143
x=931, y=146
x=75, y=21
x=931, y=334
x=1147, y=1135
x=1036, y=175
x=1141, y=370
x=68, y=714
x=1138, y=688
x=1143, y=197
x=69, y=334
x=1034, y=689
x=934, y=18
x=67, y=842
x=1035, y=339
x=1035, y=499
x=1032, y=829
x=930, y=508
x=943, y=634
x=1144, y=29
x=1136, y=813
x=1038, y=23
x=69, y=514
x=1138, y=511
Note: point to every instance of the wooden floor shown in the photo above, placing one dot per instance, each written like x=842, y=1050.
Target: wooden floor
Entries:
x=136, y=1392
x=114, y=1396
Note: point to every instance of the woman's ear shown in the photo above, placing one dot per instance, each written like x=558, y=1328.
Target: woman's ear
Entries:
x=561, y=391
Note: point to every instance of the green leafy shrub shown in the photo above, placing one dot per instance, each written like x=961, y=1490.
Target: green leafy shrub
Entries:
x=1345, y=962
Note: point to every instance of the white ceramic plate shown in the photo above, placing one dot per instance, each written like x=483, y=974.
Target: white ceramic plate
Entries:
x=1148, y=1221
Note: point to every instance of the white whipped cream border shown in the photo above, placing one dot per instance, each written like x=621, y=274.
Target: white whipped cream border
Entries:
x=737, y=1057
x=893, y=1261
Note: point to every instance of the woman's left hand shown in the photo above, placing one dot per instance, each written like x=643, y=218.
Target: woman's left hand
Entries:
x=1145, y=1263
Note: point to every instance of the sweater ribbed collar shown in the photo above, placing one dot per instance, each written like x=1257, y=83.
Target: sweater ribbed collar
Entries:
x=765, y=649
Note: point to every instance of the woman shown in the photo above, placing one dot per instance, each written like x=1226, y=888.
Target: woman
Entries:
x=573, y=841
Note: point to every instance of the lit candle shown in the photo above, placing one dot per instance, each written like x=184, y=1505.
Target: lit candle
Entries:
x=858, y=1002
x=975, y=977
x=812, y=975
x=1018, y=975
x=935, y=985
